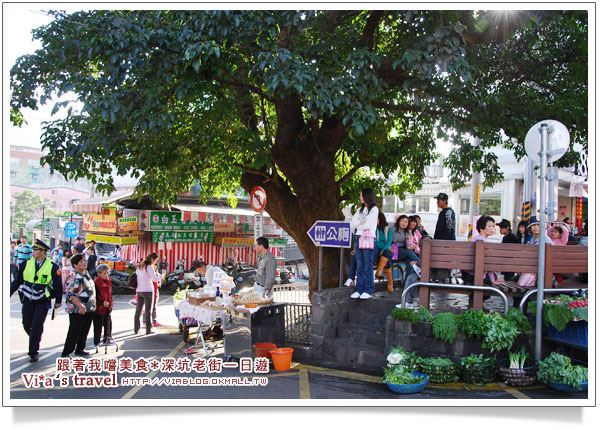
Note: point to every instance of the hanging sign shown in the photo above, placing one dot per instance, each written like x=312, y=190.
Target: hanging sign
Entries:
x=258, y=199
x=114, y=240
x=104, y=222
x=231, y=242
x=182, y=236
x=224, y=227
x=128, y=223
x=165, y=220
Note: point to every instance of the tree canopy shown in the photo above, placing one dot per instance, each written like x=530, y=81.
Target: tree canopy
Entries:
x=299, y=102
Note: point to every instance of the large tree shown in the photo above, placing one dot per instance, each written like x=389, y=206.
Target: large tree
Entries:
x=310, y=105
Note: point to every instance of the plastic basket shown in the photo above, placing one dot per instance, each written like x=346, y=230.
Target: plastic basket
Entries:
x=568, y=388
x=574, y=334
x=411, y=388
x=441, y=374
x=518, y=377
x=479, y=374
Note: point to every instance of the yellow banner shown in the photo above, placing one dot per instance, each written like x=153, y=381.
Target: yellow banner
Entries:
x=114, y=240
x=224, y=227
x=105, y=222
x=477, y=194
x=234, y=241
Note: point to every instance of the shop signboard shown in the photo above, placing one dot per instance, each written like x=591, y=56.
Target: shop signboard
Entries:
x=182, y=236
x=128, y=223
x=114, y=240
x=103, y=222
x=277, y=243
x=231, y=242
x=71, y=229
x=224, y=227
x=173, y=221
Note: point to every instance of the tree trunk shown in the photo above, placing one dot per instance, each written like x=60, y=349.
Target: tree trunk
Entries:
x=306, y=158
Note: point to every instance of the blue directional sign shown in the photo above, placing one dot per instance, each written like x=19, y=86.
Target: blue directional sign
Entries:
x=71, y=229
x=333, y=234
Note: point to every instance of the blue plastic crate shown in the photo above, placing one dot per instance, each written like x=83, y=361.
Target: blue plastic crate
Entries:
x=575, y=334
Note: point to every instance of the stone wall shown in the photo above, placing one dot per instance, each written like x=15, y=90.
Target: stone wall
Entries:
x=329, y=309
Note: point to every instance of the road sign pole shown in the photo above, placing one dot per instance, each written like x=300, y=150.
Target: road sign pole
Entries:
x=320, y=268
x=341, y=267
x=542, y=244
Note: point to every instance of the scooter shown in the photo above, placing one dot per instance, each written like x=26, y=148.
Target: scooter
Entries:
x=243, y=276
x=120, y=281
x=284, y=275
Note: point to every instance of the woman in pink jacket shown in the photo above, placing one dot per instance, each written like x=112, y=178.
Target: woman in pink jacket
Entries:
x=146, y=275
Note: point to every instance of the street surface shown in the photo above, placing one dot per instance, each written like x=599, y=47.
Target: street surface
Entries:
x=301, y=382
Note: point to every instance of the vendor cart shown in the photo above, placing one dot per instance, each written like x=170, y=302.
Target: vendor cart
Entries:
x=244, y=327
x=192, y=315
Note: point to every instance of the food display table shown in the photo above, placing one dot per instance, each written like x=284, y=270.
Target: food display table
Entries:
x=197, y=315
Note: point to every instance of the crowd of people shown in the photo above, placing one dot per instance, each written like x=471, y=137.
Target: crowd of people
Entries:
x=378, y=243
x=41, y=275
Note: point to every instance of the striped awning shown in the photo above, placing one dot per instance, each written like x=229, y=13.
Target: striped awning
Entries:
x=95, y=205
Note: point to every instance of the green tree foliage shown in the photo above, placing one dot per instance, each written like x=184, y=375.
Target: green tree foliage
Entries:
x=311, y=105
x=28, y=206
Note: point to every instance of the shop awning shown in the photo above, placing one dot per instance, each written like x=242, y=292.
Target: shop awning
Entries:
x=95, y=204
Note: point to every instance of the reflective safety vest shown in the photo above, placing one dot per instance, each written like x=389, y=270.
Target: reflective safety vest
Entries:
x=37, y=286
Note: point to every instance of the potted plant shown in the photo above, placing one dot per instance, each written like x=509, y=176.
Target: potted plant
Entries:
x=400, y=380
x=518, y=370
x=557, y=372
x=478, y=369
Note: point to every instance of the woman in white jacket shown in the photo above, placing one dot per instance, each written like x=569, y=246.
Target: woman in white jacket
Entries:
x=146, y=275
x=364, y=219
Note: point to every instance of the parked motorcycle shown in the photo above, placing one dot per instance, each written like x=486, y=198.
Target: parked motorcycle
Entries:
x=285, y=275
x=243, y=276
x=180, y=278
x=120, y=281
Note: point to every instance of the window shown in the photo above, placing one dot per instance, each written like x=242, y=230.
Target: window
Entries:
x=465, y=206
x=33, y=162
x=490, y=206
x=389, y=204
x=13, y=174
x=54, y=192
x=424, y=204
x=35, y=175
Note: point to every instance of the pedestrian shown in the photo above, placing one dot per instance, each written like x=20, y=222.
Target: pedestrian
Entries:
x=66, y=268
x=534, y=228
x=40, y=282
x=506, y=232
x=60, y=251
x=145, y=275
x=55, y=257
x=522, y=233
x=14, y=267
x=445, y=228
x=81, y=304
x=383, y=246
x=156, y=285
x=24, y=252
x=80, y=246
x=91, y=261
x=363, y=226
x=104, y=304
x=403, y=239
x=415, y=232
x=486, y=228
x=266, y=268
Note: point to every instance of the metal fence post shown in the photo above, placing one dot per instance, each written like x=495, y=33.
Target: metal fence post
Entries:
x=320, y=268
x=341, y=267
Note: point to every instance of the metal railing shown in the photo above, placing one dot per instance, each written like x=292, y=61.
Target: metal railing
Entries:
x=458, y=287
x=547, y=291
x=291, y=293
x=297, y=323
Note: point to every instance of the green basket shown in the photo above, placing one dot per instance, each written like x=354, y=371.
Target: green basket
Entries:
x=481, y=374
x=440, y=374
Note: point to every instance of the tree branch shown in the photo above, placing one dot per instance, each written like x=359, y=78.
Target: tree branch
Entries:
x=347, y=175
x=246, y=86
x=370, y=27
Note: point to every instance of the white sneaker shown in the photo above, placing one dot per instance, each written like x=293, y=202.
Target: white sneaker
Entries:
x=417, y=269
x=348, y=282
x=365, y=296
x=355, y=295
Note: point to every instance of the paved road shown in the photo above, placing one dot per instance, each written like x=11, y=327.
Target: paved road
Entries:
x=301, y=382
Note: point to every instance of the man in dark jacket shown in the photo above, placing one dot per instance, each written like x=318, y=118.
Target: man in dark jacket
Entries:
x=446, y=225
x=509, y=236
x=40, y=282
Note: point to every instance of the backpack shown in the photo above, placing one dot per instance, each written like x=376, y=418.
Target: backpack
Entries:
x=132, y=281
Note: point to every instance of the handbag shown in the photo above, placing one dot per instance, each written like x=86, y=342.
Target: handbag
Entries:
x=395, y=249
x=366, y=240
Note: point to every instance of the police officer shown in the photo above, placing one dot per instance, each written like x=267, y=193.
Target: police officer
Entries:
x=40, y=282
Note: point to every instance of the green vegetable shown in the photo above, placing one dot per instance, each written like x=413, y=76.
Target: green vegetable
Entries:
x=517, y=359
x=180, y=294
x=476, y=360
x=423, y=314
x=474, y=323
x=440, y=370
x=399, y=375
x=404, y=315
x=559, y=312
x=445, y=327
x=501, y=333
x=558, y=368
x=515, y=315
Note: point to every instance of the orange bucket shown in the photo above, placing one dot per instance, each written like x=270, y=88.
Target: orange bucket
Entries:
x=262, y=349
x=282, y=358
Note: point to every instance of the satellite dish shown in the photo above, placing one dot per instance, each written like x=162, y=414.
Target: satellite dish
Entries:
x=558, y=141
